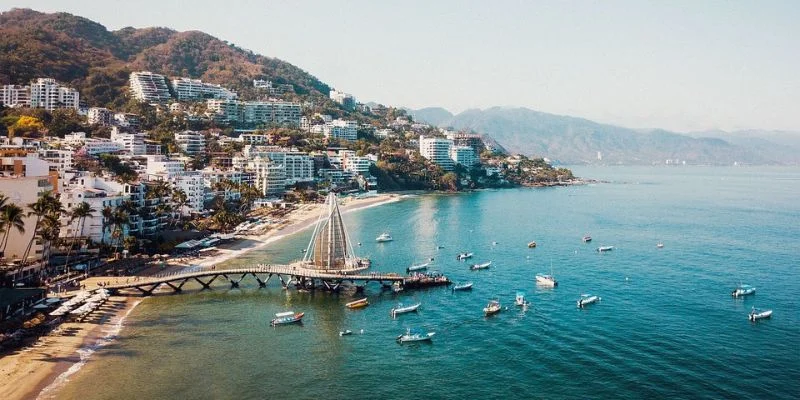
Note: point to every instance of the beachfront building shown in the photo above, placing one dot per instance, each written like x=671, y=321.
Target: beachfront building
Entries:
x=356, y=164
x=191, y=142
x=23, y=176
x=48, y=94
x=270, y=177
x=213, y=176
x=345, y=99
x=298, y=166
x=15, y=96
x=149, y=87
x=160, y=168
x=464, y=155
x=99, y=193
x=437, y=150
x=195, y=89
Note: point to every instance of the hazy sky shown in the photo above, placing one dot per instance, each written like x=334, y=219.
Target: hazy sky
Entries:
x=681, y=65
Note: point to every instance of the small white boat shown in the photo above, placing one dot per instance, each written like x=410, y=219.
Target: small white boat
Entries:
x=531, y=244
x=605, y=248
x=492, y=308
x=415, y=335
x=587, y=239
x=660, y=245
x=463, y=256
x=743, y=290
x=397, y=287
x=384, y=237
x=418, y=267
x=520, y=301
x=462, y=286
x=400, y=309
x=756, y=314
x=546, y=280
x=587, y=299
x=480, y=266
x=345, y=332
x=288, y=317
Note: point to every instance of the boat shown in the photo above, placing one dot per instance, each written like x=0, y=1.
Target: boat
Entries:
x=757, y=313
x=520, y=301
x=605, y=248
x=418, y=280
x=384, y=237
x=400, y=309
x=480, y=266
x=463, y=256
x=417, y=267
x=415, y=335
x=288, y=317
x=532, y=244
x=360, y=303
x=546, y=280
x=345, y=332
x=743, y=290
x=397, y=287
x=463, y=286
x=660, y=245
x=587, y=239
x=492, y=308
x=587, y=299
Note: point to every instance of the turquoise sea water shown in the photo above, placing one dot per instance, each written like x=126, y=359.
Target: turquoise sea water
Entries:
x=666, y=326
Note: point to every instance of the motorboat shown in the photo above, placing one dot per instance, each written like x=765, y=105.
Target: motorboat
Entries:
x=743, y=290
x=757, y=313
x=602, y=249
x=397, y=287
x=546, y=280
x=587, y=239
x=417, y=267
x=587, y=299
x=384, y=237
x=520, y=300
x=492, y=308
x=288, y=317
x=360, y=303
x=660, y=245
x=463, y=256
x=480, y=266
x=462, y=286
x=400, y=309
x=345, y=332
x=531, y=244
x=415, y=335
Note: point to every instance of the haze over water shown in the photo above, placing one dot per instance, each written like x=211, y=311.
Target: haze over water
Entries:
x=666, y=326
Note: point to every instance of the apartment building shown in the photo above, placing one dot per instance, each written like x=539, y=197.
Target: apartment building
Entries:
x=341, y=129
x=270, y=177
x=356, y=164
x=437, y=150
x=195, y=89
x=149, y=87
x=345, y=99
x=464, y=155
x=15, y=96
x=191, y=142
x=100, y=116
x=99, y=193
x=48, y=94
x=131, y=143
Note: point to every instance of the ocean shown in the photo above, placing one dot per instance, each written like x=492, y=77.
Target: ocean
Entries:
x=666, y=327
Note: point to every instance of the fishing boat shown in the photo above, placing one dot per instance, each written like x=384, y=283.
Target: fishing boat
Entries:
x=462, y=286
x=480, y=266
x=463, y=256
x=384, y=237
x=400, y=309
x=417, y=267
x=345, y=332
x=587, y=239
x=531, y=244
x=743, y=290
x=757, y=313
x=602, y=249
x=520, y=300
x=587, y=299
x=546, y=280
x=492, y=308
x=288, y=317
x=360, y=303
x=415, y=335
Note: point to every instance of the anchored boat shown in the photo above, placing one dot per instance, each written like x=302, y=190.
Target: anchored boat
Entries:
x=384, y=237
x=546, y=280
x=417, y=267
x=463, y=256
x=587, y=239
x=415, y=335
x=532, y=244
x=602, y=249
x=361, y=303
x=743, y=290
x=463, y=286
x=756, y=314
x=520, y=300
x=492, y=308
x=288, y=317
x=587, y=299
x=400, y=309
x=480, y=266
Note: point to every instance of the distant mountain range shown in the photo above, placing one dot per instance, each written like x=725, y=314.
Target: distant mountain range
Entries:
x=571, y=140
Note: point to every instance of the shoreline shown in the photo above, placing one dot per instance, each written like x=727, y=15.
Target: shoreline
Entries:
x=38, y=370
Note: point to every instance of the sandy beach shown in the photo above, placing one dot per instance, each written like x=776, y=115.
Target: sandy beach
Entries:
x=37, y=371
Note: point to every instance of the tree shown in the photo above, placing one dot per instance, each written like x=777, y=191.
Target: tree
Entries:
x=79, y=213
x=24, y=126
x=11, y=217
x=180, y=200
x=46, y=204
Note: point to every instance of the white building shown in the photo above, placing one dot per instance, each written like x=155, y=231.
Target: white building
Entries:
x=270, y=177
x=253, y=139
x=60, y=158
x=91, y=145
x=255, y=112
x=99, y=193
x=345, y=99
x=15, y=96
x=48, y=94
x=464, y=155
x=358, y=165
x=341, y=129
x=195, y=89
x=437, y=150
x=191, y=183
x=132, y=143
x=149, y=87
x=101, y=116
x=193, y=143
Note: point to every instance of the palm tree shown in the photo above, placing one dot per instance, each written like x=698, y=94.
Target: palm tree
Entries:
x=107, y=215
x=179, y=200
x=49, y=232
x=46, y=204
x=11, y=216
x=119, y=219
x=79, y=213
